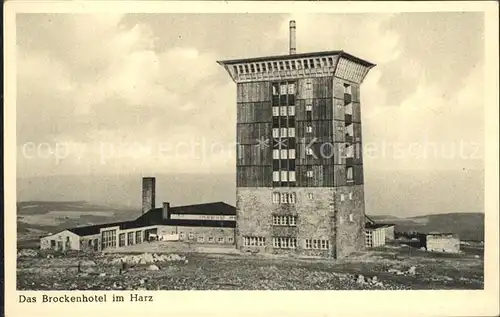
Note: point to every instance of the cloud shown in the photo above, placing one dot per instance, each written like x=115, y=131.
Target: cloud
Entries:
x=119, y=79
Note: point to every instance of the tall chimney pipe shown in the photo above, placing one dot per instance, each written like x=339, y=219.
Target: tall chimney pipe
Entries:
x=148, y=193
x=293, y=46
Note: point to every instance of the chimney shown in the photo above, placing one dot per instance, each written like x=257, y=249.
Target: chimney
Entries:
x=293, y=45
x=166, y=211
x=148, y=193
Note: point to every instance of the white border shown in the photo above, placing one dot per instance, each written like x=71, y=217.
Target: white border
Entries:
x=320, y=303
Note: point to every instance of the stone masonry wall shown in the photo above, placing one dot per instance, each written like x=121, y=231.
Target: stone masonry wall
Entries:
x=255, y=210
x=351, y=220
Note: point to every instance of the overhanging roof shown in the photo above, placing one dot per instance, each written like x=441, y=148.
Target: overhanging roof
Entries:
x=295, y=56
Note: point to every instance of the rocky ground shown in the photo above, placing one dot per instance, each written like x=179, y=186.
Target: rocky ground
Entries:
x=382, y=269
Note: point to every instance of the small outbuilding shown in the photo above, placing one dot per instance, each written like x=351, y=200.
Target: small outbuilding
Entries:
x=440, y=242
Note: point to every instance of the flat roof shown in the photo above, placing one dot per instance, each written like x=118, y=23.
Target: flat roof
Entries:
x=294, y=56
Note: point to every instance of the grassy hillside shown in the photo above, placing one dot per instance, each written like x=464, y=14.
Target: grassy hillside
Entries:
x=38, y=218
x=469, y=226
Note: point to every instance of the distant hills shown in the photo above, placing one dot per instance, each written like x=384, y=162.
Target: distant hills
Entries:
x=403, y=193
x=37, y=218
x=469, y=226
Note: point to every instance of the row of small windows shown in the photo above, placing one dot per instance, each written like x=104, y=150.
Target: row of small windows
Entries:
x=284, y=176
x=254, y=241
x=284, y=111
x=283, y=132
x=287, y=243
x=251, y=68
x=291, y=197
x=284, y=88
x=284, y=198
x=283, y=154
x=201, y=238
x=317, y=244
x=290, y=221
x=284, y=243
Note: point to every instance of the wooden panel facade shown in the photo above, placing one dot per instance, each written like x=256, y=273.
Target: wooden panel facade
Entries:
x=254, y=176
x=249, y=154
x=357, y=133
x=339, y=129
x=249, y=112
x=251, y=133
x=319, y=115
x=358, y=174
x=356, y=112
x=339, y=175
x=254, y=91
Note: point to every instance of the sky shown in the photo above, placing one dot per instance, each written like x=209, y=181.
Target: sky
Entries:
x=143, y=92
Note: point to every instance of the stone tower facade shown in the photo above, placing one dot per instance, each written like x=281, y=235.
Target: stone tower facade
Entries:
x=299, y=152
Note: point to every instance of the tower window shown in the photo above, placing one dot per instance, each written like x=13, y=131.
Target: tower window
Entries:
x=310, y=173
x=276, y=198
x=347, y=89
x=349, y=175
x=309, y=129
x=310, y=195
x=276, y=176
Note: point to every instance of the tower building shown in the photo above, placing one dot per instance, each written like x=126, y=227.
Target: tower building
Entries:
x=299, y=154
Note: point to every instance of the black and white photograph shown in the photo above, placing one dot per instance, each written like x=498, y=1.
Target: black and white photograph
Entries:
x=249, y=151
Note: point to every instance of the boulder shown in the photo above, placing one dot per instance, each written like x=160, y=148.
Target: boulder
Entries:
x=87, y=263
x=412, y=270
x=360, y=279
x=153, y=267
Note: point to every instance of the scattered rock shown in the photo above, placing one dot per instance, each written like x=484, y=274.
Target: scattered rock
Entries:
x=147, y=258
x=360, y=279
x=87, y=263
x=50, y=256
x=374, y=279
x=153, y=267
x=476, y=256
x=102, y=274
x=30, y=253
x=412, y=270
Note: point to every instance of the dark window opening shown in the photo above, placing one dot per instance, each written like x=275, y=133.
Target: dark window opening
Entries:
x=276, y=122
